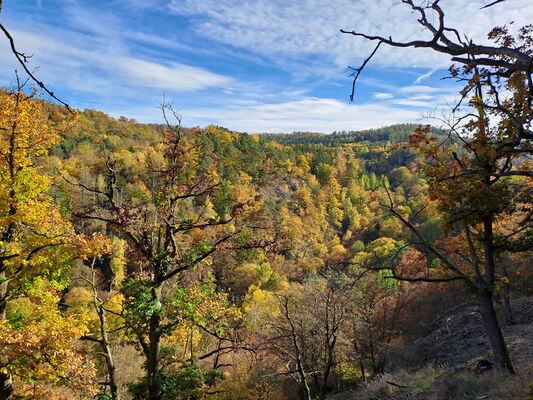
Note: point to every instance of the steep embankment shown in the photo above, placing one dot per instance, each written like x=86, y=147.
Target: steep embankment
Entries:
x=453, y=362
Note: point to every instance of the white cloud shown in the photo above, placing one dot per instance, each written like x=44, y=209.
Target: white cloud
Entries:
x=425, y=76
x=102, y=68
x=383, y=96
x=308, y=114
x=414, y=103
x=173, y=76
x=308, y=28
x=123, y=65
x=420, y=89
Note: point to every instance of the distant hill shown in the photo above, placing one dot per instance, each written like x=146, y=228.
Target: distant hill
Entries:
x=394, y=134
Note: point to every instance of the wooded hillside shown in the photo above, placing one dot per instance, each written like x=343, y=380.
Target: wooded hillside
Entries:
x=146, y=261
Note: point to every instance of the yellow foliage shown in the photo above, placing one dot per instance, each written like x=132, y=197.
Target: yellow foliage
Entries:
x=79, y=299
x=376, y=251
x=41, y=348
x=32, y=226
x=37, y=343
x=181, y=337
x=224, y=135
x=118, y=261
x=258, y=307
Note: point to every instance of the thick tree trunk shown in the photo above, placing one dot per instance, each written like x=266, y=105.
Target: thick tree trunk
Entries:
x=494, y=332
x=486, y=301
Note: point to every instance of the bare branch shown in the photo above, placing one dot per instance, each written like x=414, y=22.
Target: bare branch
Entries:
x=491, y=4
x=358, y=70
x=23, y=60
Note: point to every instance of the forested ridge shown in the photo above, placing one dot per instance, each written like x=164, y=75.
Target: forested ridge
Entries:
x=267, y=260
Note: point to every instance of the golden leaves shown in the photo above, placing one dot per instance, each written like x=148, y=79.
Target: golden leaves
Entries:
x=41, y=347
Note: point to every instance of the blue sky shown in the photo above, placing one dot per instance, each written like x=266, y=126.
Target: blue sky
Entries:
x=255, y=66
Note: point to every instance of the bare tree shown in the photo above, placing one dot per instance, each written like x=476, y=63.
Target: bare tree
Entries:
x=99, y=303
x=288, y=345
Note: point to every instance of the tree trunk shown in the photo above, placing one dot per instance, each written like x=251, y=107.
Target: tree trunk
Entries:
x=6, y=382
x=494, y=332
x=6, y=386
x=486, y=301
x=152, y=363
x=104, y=344
x=331, y=347
x=362, y=368
x=305, y=392
x=507, y=310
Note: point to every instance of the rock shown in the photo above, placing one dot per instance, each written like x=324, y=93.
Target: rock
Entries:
x=482, y=366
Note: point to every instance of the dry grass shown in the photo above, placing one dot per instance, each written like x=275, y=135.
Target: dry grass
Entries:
x=457, y=381
x=129, y=363
x=439, y=383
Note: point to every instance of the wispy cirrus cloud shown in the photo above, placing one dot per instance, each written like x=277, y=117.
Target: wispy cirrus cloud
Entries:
x=307, y=114
x=425, y=76
x=171, y=76
x=311, y=27
x=78, y=66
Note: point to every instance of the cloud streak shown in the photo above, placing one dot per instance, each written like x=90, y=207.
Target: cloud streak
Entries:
x=311, y=27
x=78, y=66
x=308, y=114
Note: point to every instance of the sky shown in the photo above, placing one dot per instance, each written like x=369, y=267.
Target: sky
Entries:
x=248, y=65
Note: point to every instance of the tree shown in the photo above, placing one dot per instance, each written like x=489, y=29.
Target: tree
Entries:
x=36, y=241
x=288, y=344
x=30, y=226
x=183, y=215
x=473, y=185
x=489, y=70
x=377, y=303
x=306, y=332
x=106, y=306
x=27, y=217
x=40, y=345
x=474, y=209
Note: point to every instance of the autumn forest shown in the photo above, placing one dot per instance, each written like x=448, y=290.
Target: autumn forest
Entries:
x=160, y=261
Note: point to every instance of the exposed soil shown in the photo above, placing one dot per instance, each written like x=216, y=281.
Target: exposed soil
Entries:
x=460, y=349
x=461, y=340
